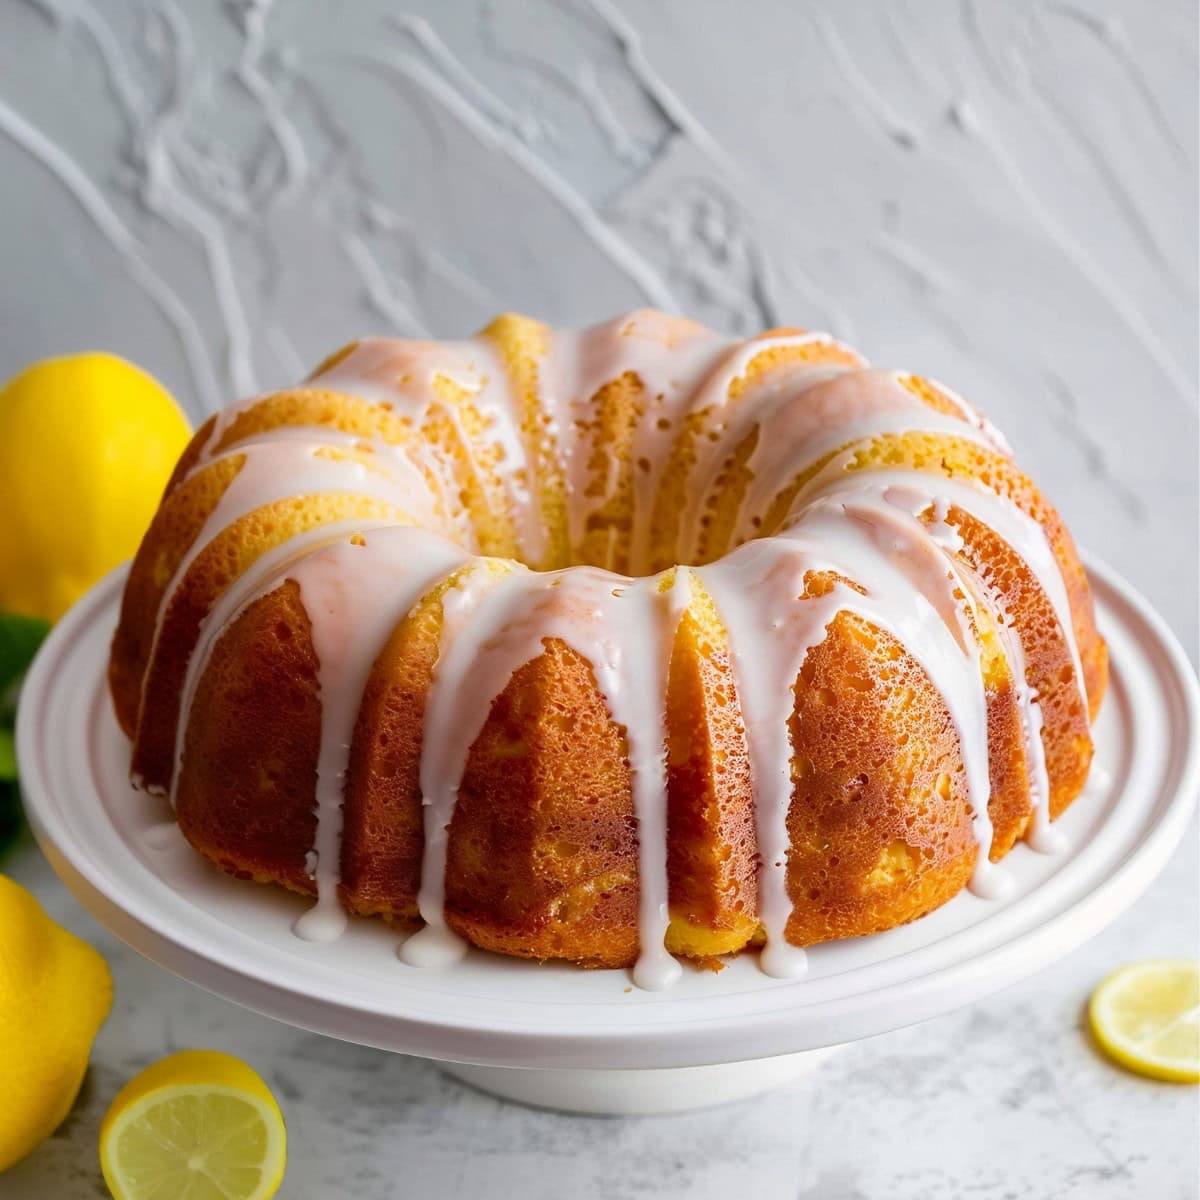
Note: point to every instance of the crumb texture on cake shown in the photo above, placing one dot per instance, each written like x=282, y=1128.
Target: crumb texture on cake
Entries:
x=611, y=646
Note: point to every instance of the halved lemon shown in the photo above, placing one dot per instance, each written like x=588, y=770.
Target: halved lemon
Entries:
x=199, y=1125
x=1147, y=1017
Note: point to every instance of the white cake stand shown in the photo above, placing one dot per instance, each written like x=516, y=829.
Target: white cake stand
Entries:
x=559, y=1037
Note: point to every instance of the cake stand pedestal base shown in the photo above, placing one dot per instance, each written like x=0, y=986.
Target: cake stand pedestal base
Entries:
x=603, y=1092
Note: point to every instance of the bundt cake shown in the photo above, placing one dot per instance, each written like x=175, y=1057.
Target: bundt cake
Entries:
x=610, y=646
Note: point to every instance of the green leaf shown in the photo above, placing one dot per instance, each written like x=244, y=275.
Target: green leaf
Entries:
x=11, y=818
x=20, y=638
x=8, y=754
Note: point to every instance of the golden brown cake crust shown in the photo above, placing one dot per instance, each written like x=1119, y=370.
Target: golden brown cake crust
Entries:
x=257, y=749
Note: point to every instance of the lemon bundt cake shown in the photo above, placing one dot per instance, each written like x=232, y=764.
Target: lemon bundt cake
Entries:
x=610, y=646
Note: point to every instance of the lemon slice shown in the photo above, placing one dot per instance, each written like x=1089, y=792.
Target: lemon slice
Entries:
x=1147, y=1017
x=196, y=1126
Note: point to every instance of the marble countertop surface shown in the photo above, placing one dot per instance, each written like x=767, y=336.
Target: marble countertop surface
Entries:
x=999, y=193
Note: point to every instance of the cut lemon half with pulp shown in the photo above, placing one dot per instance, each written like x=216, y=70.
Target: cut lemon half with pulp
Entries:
x=196, y=1126
x=1147, y=1017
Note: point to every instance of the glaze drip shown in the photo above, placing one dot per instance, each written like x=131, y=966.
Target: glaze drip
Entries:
x=355, y=592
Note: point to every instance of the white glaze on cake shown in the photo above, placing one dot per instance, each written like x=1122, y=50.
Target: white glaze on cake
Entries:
x=888, y=530
x=355, y=592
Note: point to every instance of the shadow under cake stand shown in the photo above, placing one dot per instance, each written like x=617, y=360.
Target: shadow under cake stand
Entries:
x=588, y=1041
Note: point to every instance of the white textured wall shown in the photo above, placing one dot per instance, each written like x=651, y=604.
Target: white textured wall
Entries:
x=1001, y=194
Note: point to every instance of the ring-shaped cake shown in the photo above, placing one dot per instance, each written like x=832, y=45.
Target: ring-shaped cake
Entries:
x=611, y=646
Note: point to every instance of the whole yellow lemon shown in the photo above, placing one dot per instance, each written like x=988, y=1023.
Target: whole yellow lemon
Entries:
x=87, y=443
x=55, y=992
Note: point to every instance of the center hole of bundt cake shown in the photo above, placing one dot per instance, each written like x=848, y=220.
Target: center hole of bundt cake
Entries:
x=613, y=548
x=615, y=536
x=621, y=547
